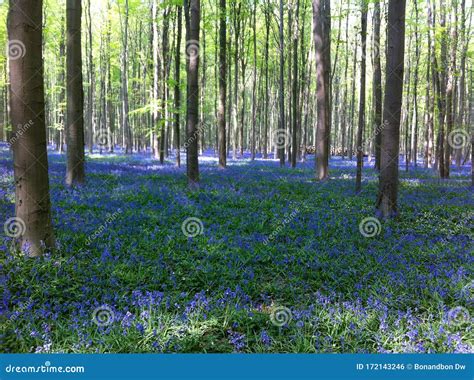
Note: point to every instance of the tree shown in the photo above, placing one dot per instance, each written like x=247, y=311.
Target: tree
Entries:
x=321, y=14
x=124, y=89
x=281, y=120
x=377, y=84
x=388, y=179
x=221, y=113
x=360, y=129
x=177, y=91
x=32, y=200
x=193, y=16
x=75, y=173
x=294, y=106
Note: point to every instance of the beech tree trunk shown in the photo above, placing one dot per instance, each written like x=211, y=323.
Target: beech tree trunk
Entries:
x=177, y=91
x=221, y=114
x=193, y=11
x=377, y=83
x=388, y=180
x=75, y=174
x=320, y=13
x=32, y=201
x=360, y=129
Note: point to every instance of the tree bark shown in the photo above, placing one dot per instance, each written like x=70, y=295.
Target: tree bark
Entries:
x=193, y=11
x=377, y=83
x=388, y=180
x=320, y=13
x=360, y=128
x=32, y=201
x=75, y=174
x=221, y=115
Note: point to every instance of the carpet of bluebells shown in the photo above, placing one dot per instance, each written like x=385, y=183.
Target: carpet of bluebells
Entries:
x=274, y=262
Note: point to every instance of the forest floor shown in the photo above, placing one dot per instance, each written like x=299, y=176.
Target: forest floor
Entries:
x=273, y=262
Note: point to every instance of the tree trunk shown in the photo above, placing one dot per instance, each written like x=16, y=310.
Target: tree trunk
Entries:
x=32, y=224
x=320, y=13
x=193, y=11
x=281, y=133
x=75, y=174
x=377, y=84
x=177, y=91
x=388, y=180
x=221, y=115
x=295, y=89
x=360, y=128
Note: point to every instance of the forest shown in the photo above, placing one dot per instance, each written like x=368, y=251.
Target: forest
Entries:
x=253, y=176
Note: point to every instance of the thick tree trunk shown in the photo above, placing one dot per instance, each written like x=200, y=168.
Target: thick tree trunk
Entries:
x=388, y=180
x=320, y=13
x=32, y=224
x=193, y=11
x=221, y=115
x=75, y=174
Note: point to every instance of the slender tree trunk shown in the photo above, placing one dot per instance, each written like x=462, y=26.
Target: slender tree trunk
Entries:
x=32, y=223
x=388, y=180
x=281, y=133
x=377, y=84
x=75, y=174
x=360, y=129
x=124, y=75
x=267, y=43
x=295, y=89
x=177, y=91
x=221, y=115
x=415, y=91
x=90, y=92
x=254, y=79
x=193, y=12
x=450, y=89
